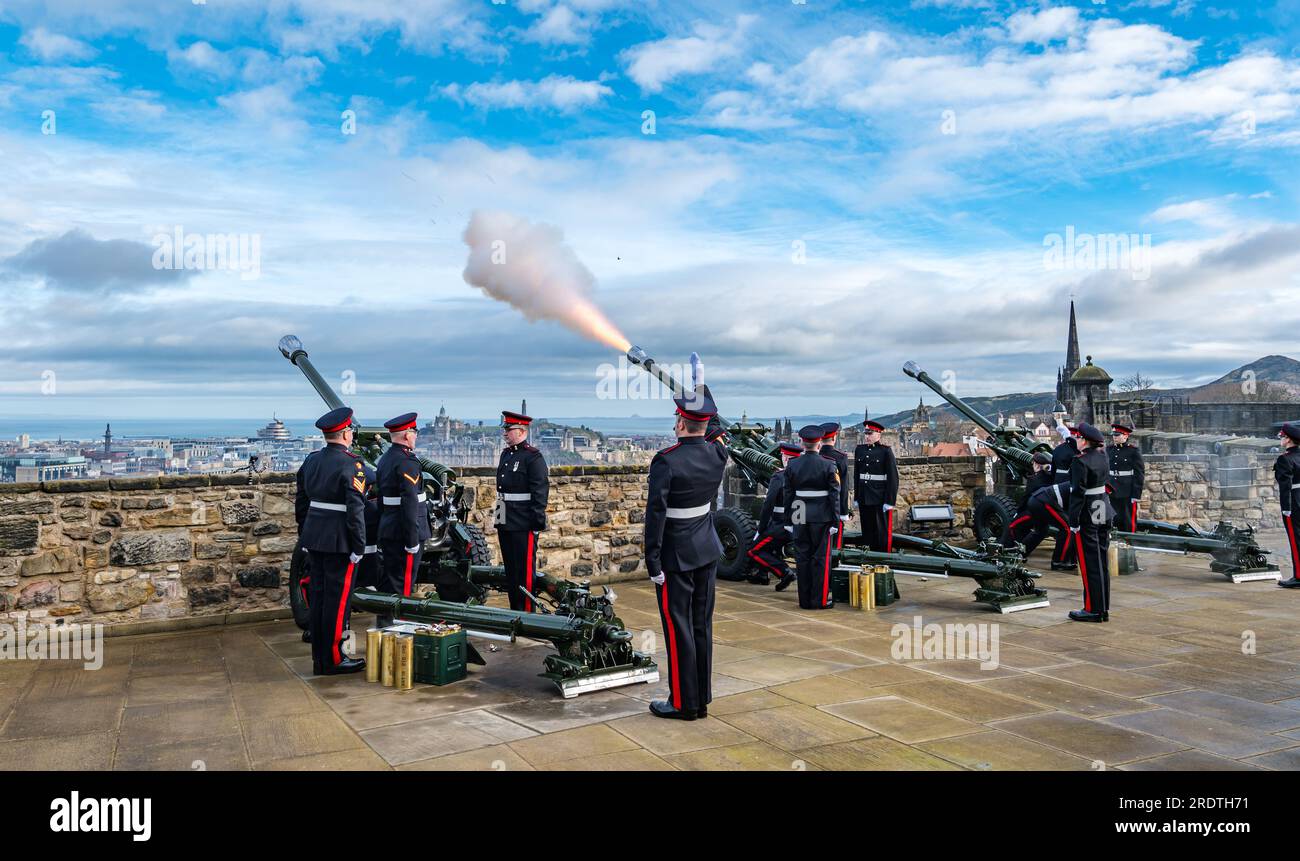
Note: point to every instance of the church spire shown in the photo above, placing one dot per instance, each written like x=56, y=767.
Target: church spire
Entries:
x=1072, y=346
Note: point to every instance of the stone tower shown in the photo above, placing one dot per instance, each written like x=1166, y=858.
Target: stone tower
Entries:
x=1064, y=392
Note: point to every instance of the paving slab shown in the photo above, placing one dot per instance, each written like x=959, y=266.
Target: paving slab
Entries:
x=1065, y=696
x=756, y=756
x=1207, y=734
x=794, y=727
x=971, y=702
x=1189, y=760
x=1235, y=710
x=424, y=739
x=874, y=754
x=666, y=737
x=1089, y=739
x=900, y=719
x=1002, y=751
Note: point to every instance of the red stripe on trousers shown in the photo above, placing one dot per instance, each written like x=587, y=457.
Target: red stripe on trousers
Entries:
x=1083, y=570
x=343, y=605
x=889, y=532
x=826, y=581
x=1134, y=524
x=673, y=676
x=406, y=584
x=528, y=571
x=1064, y=525
x=753, y=554
x=1021, y=519
x=1295, y=561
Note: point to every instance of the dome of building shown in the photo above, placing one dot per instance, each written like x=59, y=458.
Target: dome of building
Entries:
x=1090, y=373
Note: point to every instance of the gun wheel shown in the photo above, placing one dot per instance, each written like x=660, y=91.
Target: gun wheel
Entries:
x=736, y=532
x=993, y=515
x=475, y=552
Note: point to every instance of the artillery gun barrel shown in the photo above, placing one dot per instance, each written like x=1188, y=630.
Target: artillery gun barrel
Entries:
x=638, y=356
x=913, y=370
x=493, y=620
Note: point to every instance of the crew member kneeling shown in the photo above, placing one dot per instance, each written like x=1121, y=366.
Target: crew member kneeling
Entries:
x=772, y=537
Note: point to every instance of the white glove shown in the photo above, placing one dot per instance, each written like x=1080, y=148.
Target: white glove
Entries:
x=755, y=538
x=887, y=507
x=413, y=550
x=1074, y=529
x=845, y=517
x=354, y=558
x=658, y=581
x=789, y=529
x=1286, y=514
x=834, y=530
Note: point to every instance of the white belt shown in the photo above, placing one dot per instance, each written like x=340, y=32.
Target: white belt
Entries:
x=1093, y=491
x=329, y=506
x=371, y=548
x=811, y=493
x=1121, y=472
x=870, y=476
x=686, y=513
x=778, y=509
x=397, y=500
x=515, y=497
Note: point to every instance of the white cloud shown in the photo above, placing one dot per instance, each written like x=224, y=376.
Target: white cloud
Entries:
x=654, y=64
x=53, y=47
x=557, y=92
x=1045, y=26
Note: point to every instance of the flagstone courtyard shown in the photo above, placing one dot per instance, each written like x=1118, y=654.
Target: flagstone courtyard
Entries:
x=1164, y=685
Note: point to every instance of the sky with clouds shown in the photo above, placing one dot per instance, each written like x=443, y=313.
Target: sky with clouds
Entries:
x=822, y=191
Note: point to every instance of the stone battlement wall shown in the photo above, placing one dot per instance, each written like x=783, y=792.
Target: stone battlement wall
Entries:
x=1207, y=488
x=173, y=551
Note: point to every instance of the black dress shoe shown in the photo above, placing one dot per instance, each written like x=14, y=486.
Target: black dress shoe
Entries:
x=703, y=712
x=759, y=579
x=306, y=636
x=784, y=582
x=660, y=708
x=1064, y=566
x=1085, y=616
x=342, y=668
x=1290, y=583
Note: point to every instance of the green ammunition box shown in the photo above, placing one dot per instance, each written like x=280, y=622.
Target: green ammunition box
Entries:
x=840, y=575
x=886, y=589
x=440, y=659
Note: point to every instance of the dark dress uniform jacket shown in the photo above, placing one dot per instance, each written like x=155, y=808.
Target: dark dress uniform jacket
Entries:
x=818, y=480
x=1088, y=475
x=875, y=460
x=772, y=517
x=1127, y=472
x=841, y=461
x=1286, y=469
x=522, y=472
x=1033, y=483
x=1062, y=456
x=335, y=479
x=684, y=479
x=400, y=482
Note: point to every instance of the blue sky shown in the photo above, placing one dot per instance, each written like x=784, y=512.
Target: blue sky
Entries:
x=830, y=189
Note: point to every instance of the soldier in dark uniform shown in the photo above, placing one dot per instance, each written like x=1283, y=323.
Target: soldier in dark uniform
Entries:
x=404, y=513
x=1127, y=475
x=330, y=507
x=772, y=536
x=1021, y=526
x=523, y=488
x=1286, y=469
x=681, y=554
x=1052, y=503
x=875, y=488
x=812, y=507
x=831, y=431
x=1090, y=518
x=368, y=571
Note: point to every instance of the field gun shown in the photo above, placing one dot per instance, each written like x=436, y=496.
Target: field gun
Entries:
x=1233, y=551
x=1004, y=583
x=593, y=648
x=454, y=545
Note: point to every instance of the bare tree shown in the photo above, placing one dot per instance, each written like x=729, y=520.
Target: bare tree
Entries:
x=1135, y=382
x=947, y=428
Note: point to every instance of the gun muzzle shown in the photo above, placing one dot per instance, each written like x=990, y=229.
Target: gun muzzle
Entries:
x=637, y=356
x=291, y=347
x=913, y=370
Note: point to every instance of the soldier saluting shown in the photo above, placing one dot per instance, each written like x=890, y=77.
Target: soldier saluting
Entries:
x=330, y=508
x=682, y=551
x=404, y=511
x=1090, y=518
x=1286, y=469
x=812, y=505
x=830, y=431
x=523, y=488
x=772, y=535
x=875, y=487
x=1127, y=475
